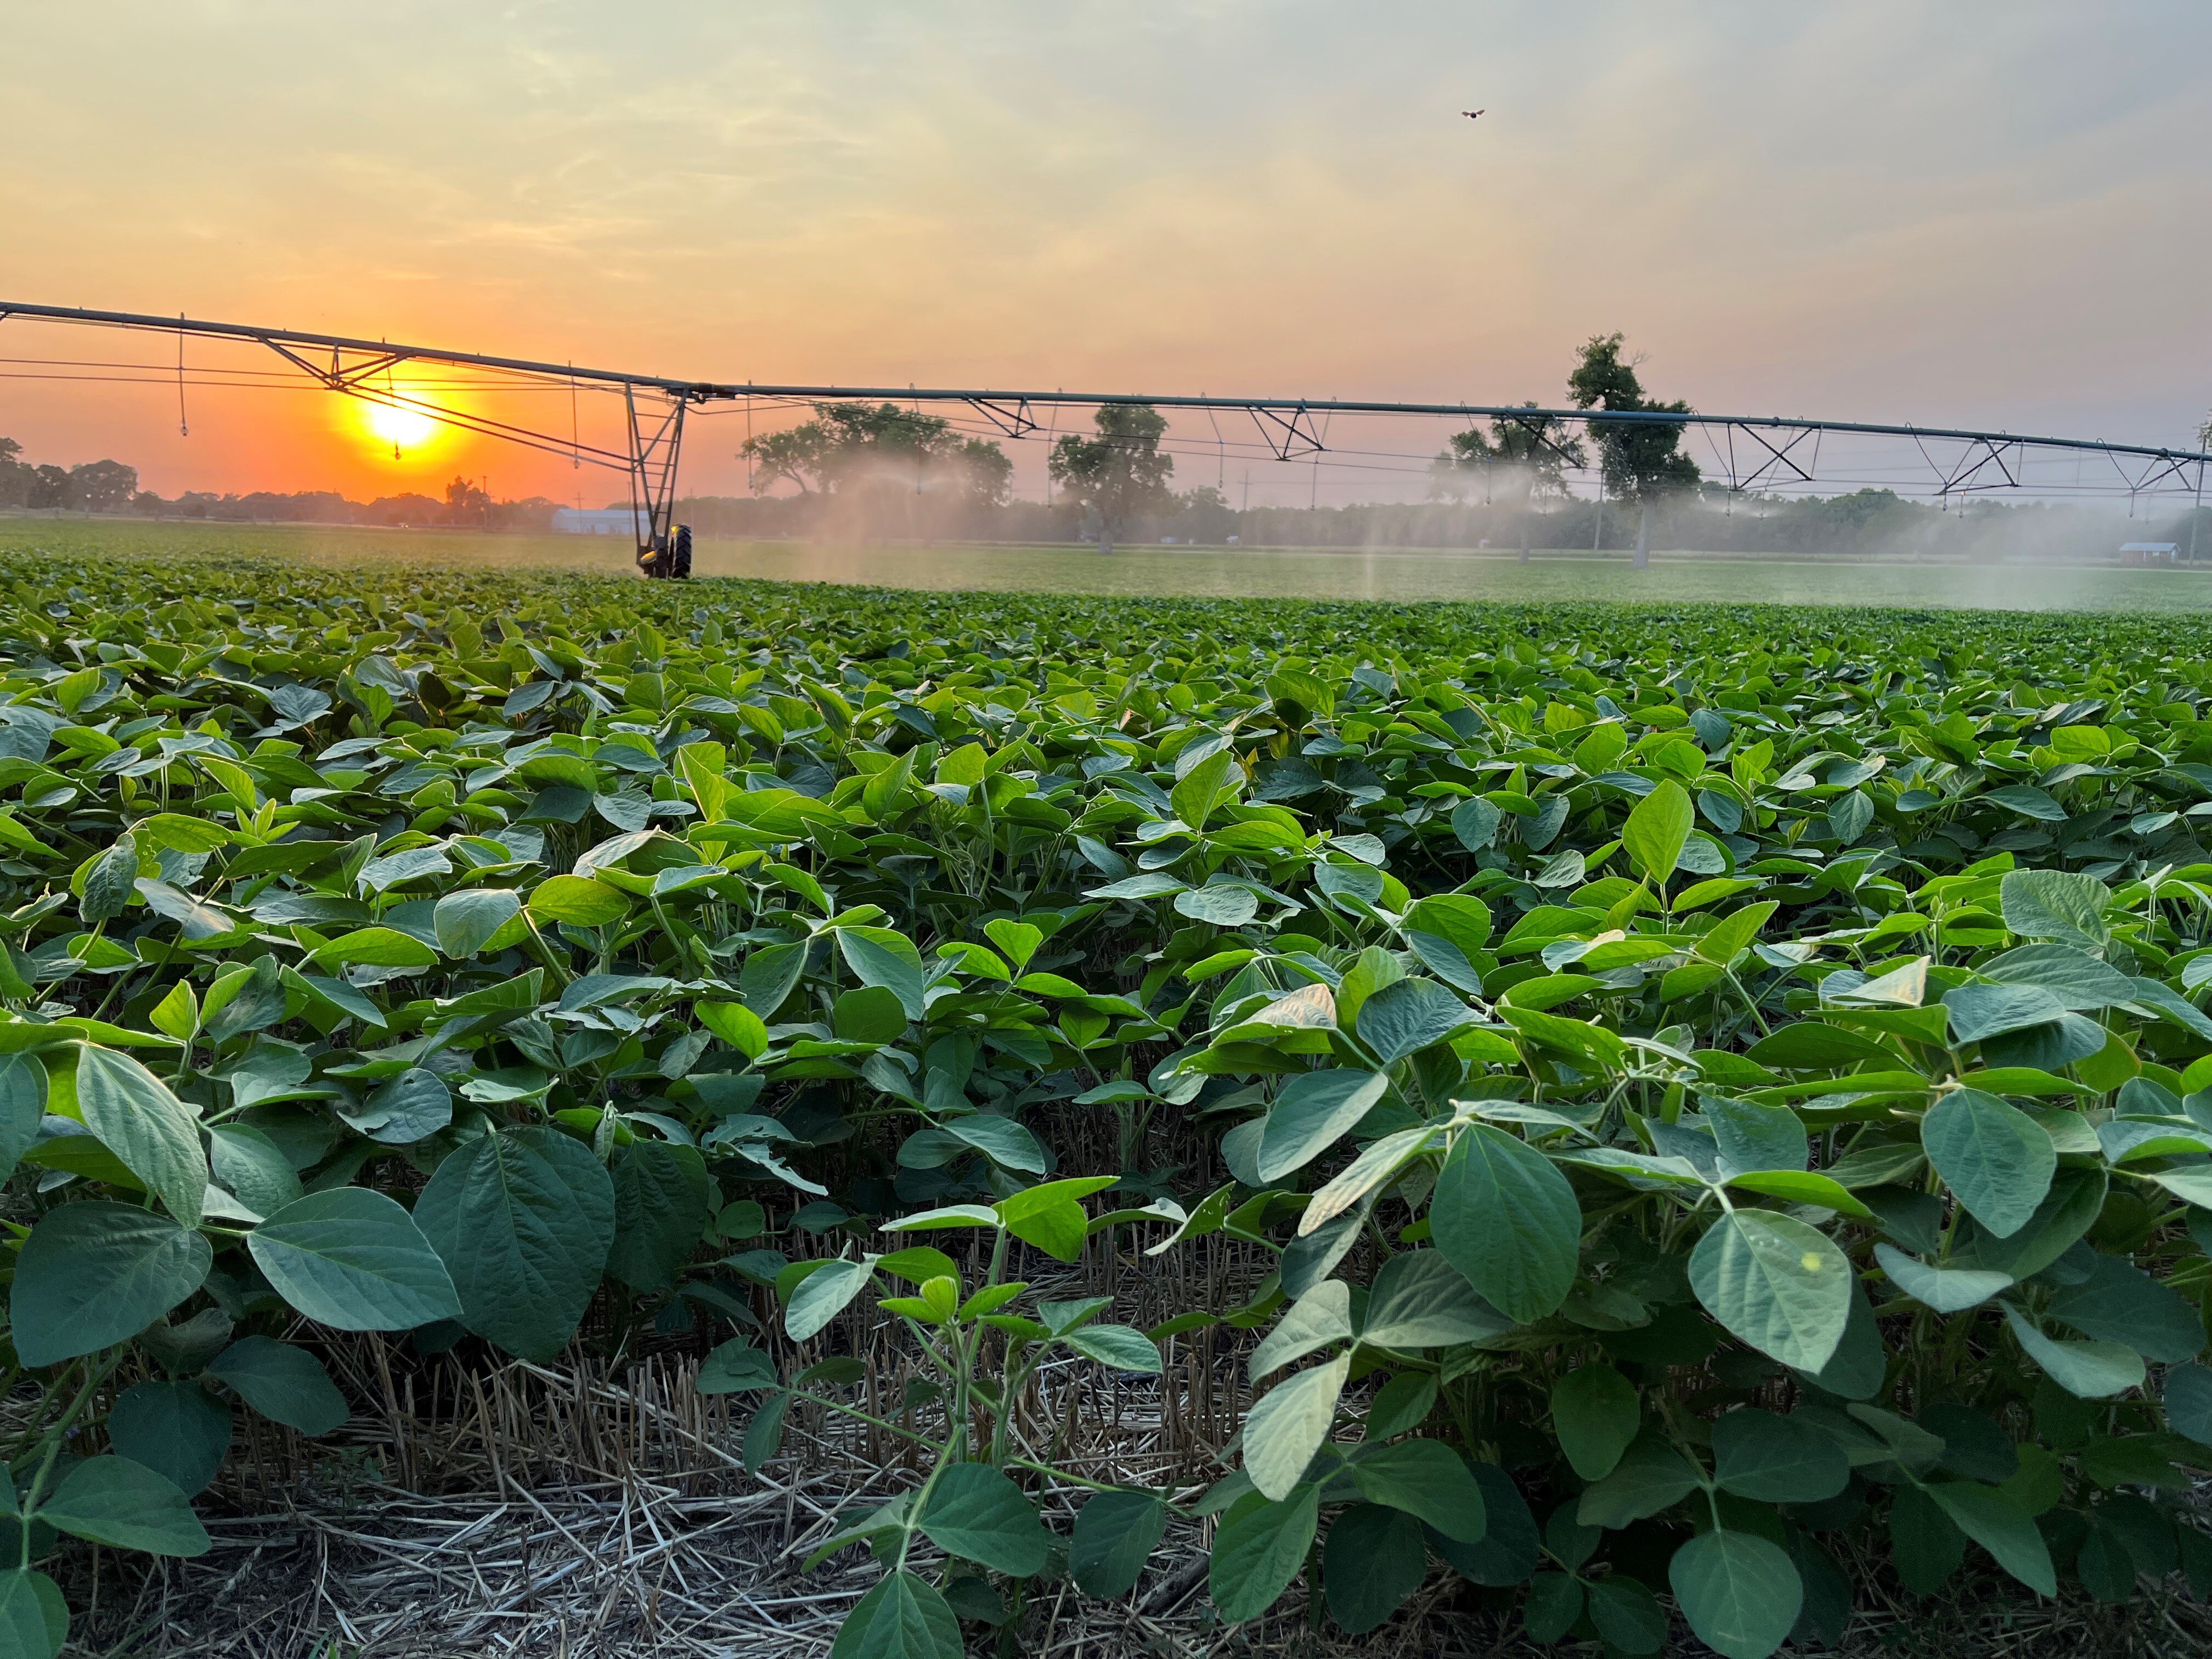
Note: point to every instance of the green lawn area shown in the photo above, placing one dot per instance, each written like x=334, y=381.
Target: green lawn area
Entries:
x=1390, y=575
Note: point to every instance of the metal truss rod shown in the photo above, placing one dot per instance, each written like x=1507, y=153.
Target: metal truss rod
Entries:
x=1296, y=435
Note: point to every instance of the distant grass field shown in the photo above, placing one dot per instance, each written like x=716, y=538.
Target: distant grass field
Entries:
x=1199, y=572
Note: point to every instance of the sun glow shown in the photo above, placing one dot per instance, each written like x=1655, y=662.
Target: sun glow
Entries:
x=400, y=427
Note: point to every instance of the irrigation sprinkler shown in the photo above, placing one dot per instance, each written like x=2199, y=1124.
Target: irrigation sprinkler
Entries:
x=1753, y=451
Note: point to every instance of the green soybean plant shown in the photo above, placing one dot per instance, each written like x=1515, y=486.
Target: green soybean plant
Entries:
x=984, y=1344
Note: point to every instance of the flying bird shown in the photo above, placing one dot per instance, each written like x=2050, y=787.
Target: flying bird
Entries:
x=1471, y=113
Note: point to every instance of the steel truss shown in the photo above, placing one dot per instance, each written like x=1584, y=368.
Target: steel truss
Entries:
x=1753, y=452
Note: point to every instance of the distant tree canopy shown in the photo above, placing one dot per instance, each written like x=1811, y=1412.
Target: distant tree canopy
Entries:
x=92, y=487
x=848, y=445
x=1642, y=460
x=1120, y=474
x=1521, y=459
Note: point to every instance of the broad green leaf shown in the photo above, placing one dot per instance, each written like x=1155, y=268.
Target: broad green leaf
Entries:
x=1410, y=1015
x=1753, y=1138
x=975, y=1512
x=1420, y=1300
x=1777, y=1284
x=2001, y=1526
x=1651, y=1476
x=880, y=955
x=1627, y=1615
x=1739, y=1593
x=1120, y=1346
x=1996, y=1158
x=904, y=1617
x=34, y=1617
x=112, y=1500
x=94, y=1273
x=1505, y=1215
x=246, y=1163
x=1947, y=1290
x=1372, y=1561
x=1312, y=1111
x=138, y=1119
x=22, y=1106
x=1114, y=1535
x=1595, y=1413
x=738, y=1024
x=1288, y=1425
x=1225, y=904
x=737, y=1367
x=580, y=900
x=1776, y=1460
x=2089, y=1370
x=2188, y=1400
x=662, y=1194
x=1321, y=1316
x=2056, y=904
x=284, y=1384
x=466, y=921
x=1657, y=829
x=1258, y=1550
x=822, y=1295
x=1002, y=1139
x=177, y=1429
x=1425, y=1478
x=524, y=1220
x=355, y=1260
x=2120, y=1302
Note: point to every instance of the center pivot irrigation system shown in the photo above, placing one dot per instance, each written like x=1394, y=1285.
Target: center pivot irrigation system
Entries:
x=1753, y=452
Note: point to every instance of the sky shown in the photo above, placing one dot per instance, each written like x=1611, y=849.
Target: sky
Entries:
x=1970, y=213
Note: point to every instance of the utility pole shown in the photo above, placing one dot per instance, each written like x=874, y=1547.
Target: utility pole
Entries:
x=1597, y=537
x=1247, y=505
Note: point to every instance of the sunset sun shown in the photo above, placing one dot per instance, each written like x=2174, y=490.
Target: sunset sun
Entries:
x=394, y=424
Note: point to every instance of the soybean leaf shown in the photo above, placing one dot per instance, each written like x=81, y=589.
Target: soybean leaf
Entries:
x=1505, y=1215
x=1115, y=1533
x=284, y=1384
x=1998, y=1160
x=2088, y=1371
x=1657, y=829
x=1425, y=1478
x=1410, y=1015
x=94, y=1273
x=1947, y=1290
x=822, y=1295
x=975, y=1512
x=34, y=1617
x=1312, y=1112
x=524, y=1220
x=1373, y=1560
x=1651, y=1476
x=1776, y=1284
x=138, y=1119
x=904, y=1617
x=354, y=1260
x=177, y=1429
x=112, y=1500
x=2001, y=1526
x=1259, y=1549
x=1739, y=1593
x=22, y=1106
x=1420, y=1300
x=1776, y=1460
x=1595, y=1414
x=1284, y=1431
x=662, y=1195
x=466, y=921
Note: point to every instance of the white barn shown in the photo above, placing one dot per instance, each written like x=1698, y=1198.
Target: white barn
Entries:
x=597, y=521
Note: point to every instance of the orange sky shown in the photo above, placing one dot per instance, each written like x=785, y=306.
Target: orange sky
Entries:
x=1958, y=212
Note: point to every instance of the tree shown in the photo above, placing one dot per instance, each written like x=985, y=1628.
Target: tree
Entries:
x=466, y=504
x=14, y=476
x=849, y=444
x=1119, y=474
x=990, y=474
x=103, y=486
x=1642, y=460
x=1523, y=458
